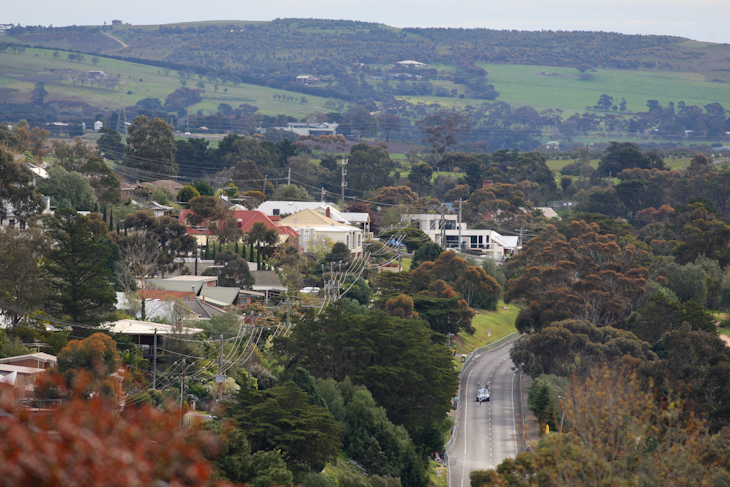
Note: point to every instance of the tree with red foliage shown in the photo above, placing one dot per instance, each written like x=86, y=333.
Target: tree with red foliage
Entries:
x=90, y=444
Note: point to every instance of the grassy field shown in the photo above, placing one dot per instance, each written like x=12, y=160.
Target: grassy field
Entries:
x=525, y=85
x=21, y=72
x=501, y=322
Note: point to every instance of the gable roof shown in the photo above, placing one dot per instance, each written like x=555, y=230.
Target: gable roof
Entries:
x=221, y=296
x=308, y=218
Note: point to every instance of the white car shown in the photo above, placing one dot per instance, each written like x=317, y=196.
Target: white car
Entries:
x=482, y=395
x=309, y=290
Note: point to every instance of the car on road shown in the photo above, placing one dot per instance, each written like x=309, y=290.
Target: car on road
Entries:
x=483, y=395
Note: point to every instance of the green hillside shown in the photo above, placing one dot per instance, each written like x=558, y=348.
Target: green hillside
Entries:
x=20, y=72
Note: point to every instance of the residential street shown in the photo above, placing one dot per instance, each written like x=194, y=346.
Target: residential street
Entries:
x=487, y=433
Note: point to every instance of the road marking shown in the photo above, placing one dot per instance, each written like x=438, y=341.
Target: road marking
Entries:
x=514, y=425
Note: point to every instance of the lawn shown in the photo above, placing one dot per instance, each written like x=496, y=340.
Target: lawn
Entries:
x=501, y=322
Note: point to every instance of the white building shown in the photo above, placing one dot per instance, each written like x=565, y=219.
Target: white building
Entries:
x=307, y=129
x=446, y=233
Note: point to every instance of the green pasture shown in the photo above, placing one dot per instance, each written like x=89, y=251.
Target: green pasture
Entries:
x=521, y=85
x=21, y=72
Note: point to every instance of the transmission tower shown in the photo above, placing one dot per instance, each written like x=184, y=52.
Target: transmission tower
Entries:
x=122, y=118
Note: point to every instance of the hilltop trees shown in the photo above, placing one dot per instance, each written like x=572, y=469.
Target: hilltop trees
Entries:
x=151, y=146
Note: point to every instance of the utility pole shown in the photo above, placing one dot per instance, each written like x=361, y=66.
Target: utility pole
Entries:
x=220, y=379
x=288, y=316
x=266, y=178
x=344, y=183
x=460, y=244
x=322, y=198
x=154, y=361
x=182, y=391
x=288, y=178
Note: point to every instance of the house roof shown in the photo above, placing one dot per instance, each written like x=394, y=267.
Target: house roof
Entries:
x=203, y=309
x=308, y=218
x=221, y=296
x=289, y=207
x=356, y=217
x=245, y=219
x=136, y=327
x=39, y=356
x=188, y=278
x=266, y=281
x=184, y=286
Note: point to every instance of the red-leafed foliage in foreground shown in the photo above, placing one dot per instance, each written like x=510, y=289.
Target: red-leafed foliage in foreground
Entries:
x=89, y=444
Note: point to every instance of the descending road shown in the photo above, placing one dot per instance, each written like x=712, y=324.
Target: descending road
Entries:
x=487, y=433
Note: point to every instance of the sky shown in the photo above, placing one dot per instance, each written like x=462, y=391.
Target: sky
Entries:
x=703, y=20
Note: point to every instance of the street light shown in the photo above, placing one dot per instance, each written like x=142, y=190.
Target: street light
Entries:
x=563, y=415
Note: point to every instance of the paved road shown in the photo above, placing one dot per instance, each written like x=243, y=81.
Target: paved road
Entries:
x=485, y=434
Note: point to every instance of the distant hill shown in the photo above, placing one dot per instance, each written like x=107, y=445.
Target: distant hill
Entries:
x=326, y=47
x=517, y=88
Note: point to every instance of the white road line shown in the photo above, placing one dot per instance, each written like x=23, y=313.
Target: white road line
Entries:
x=514, y=425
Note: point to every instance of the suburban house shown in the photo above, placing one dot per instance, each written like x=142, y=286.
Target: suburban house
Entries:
x=202, y=288
x=313, y=226
x=157, y=209
x=17, y=382
x=172, y=305
x=445, y=232
x=268, y=283
x=12, y=220
x=143, y=332
x=38, y=360
x=244, y=219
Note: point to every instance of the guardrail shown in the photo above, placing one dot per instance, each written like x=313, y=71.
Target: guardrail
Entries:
x=474, y=354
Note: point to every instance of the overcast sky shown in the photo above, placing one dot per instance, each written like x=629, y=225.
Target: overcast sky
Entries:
x=705, y=20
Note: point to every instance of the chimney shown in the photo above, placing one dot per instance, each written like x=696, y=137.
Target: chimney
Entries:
x=328, y=212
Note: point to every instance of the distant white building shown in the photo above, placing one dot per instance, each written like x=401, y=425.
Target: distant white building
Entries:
x=410, y=62
x=446, y=233
x=307, y=129
x=306, y=79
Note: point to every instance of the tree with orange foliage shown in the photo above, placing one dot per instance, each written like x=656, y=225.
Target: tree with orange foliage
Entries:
x=400, y=306
x=616, y=433
x=89, y=444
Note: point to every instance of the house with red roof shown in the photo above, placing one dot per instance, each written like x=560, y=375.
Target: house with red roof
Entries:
x=244, y=219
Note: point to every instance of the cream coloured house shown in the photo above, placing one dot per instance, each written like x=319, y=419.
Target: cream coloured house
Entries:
x=312, y=225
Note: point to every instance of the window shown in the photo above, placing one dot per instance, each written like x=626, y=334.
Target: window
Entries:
x=276, y=212
x=432, y=225
x=348, y=241
x=359, y=240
